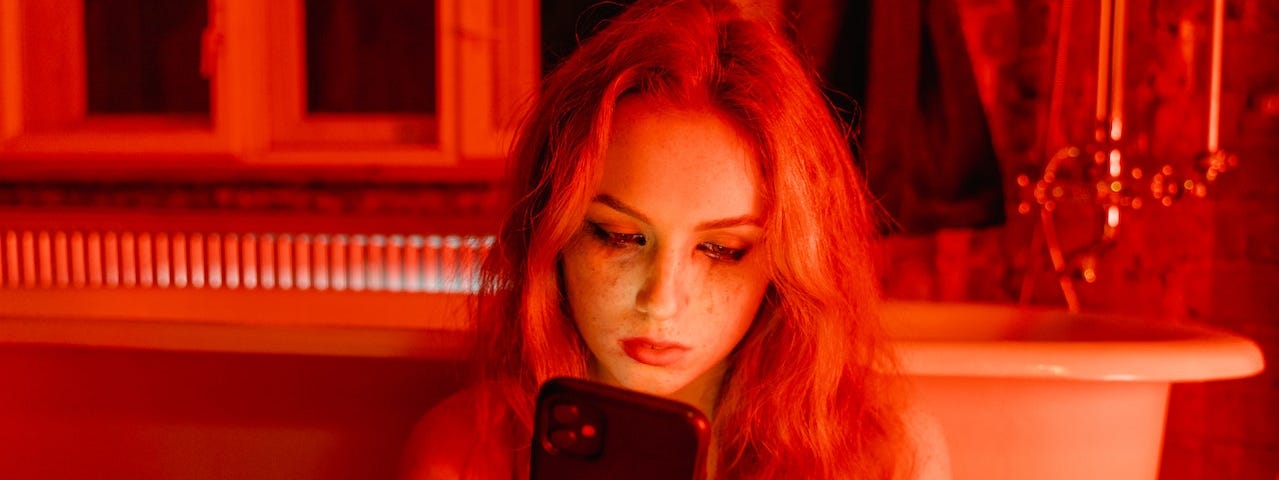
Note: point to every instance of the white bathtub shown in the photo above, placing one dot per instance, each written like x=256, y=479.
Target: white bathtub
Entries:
x=1045, y=394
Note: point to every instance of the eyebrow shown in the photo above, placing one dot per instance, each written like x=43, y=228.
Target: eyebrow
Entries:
x=615, y=204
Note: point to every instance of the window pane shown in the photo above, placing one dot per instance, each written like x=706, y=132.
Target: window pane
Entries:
x=370, y=56
x=144, y=56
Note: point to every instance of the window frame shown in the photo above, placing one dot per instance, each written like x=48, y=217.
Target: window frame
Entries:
x=487, y=68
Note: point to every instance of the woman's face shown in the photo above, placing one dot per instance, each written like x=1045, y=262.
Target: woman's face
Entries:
x=664, y=277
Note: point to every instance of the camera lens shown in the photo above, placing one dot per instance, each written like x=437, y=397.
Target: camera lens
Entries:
x=572, y=426
x=565, y=413
x=564, y=439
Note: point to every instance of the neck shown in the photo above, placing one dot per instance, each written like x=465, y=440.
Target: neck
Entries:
x=703, y=392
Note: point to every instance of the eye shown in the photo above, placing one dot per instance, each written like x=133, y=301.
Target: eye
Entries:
x=722, y=253
x=617, y=240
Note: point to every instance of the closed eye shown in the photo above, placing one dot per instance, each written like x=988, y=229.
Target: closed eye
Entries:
x=721, y=253
x=615, y=239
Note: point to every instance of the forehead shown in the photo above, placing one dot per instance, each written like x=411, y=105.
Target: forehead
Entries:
x=691, y=161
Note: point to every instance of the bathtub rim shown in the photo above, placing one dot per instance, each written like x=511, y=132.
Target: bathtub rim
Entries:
x=1202, y=353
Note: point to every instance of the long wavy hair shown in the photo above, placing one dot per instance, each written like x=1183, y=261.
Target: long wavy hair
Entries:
x=809, y=391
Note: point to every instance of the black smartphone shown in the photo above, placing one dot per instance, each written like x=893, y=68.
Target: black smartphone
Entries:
x=584, y=429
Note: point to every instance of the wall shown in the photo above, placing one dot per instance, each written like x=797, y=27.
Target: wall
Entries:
x=147, y=414
x=1213, y=260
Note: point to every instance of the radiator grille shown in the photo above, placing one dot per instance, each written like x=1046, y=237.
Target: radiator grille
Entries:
x=213, y=260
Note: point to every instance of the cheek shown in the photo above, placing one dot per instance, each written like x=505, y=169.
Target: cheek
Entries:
x=732, y=297
x=593, y=281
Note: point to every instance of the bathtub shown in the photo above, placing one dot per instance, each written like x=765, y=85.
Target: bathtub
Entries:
x=1046, y=394
x=1020, y=394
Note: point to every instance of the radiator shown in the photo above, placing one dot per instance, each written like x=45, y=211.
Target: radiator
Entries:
x=42, y=258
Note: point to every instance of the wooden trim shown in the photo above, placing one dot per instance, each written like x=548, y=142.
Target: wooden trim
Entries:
x=499, y=55
x=11, y=59
x=353, y=324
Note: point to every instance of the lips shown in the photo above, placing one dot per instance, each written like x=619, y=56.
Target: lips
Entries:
x=652, y=352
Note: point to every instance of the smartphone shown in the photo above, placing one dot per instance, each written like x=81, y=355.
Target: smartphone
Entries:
x=584, y=429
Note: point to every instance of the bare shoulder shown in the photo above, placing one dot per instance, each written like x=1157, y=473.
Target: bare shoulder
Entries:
x=445, y=439
x=932, y=456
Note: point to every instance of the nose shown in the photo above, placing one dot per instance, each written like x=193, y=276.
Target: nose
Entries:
x=664, y=292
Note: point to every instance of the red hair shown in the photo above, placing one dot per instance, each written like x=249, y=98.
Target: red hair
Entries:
x=808, y=392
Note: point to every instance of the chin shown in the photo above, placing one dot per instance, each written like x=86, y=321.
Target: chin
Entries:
x=660, y=384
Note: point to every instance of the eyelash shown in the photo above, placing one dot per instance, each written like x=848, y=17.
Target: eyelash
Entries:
x=625, y=240
x=722, y=253
x=617, y=240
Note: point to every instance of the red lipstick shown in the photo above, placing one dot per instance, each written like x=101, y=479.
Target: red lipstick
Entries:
x=652, y=352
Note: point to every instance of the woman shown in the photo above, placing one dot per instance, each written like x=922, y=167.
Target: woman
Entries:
x=687, y=223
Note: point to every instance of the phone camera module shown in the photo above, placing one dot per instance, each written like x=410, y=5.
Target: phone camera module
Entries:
x=574, y=429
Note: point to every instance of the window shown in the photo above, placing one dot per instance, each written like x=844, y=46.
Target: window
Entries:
x=284, y=82
x=87, y=75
